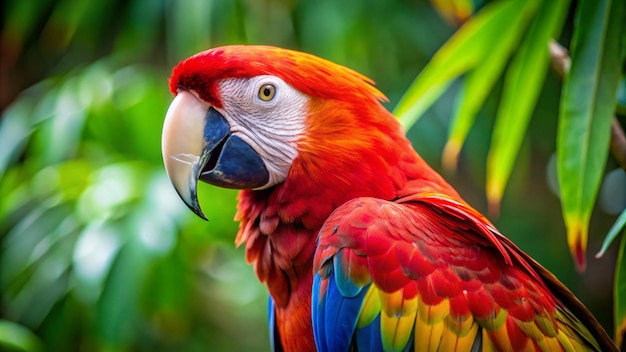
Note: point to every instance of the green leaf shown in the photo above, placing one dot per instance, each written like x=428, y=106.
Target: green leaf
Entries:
x=118, y=310
x=524, y=80
x=14, y=337
x=612, y=234
x=587, y=107
x=506, y=32
x=65, y=126
x=466, y=49
x=620, y=294
x=20, y=119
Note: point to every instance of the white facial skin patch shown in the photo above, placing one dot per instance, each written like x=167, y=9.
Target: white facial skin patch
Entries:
x=271, y=126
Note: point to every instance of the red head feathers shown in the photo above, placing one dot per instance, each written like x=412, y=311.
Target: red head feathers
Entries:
x=309, y=74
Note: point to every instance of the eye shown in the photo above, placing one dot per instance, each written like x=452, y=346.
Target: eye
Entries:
x=267, y=92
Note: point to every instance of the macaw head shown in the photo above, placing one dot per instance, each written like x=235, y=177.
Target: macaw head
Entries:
x=242, y=116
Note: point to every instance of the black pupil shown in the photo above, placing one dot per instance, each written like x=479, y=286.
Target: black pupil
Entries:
x=267, y=91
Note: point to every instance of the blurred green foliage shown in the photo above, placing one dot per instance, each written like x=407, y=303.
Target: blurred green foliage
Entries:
x=98, y=253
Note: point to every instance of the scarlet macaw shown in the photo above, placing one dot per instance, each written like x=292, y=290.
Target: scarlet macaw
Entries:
x=361, y=244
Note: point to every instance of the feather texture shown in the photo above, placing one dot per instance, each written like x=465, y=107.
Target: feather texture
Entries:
x=442, y=278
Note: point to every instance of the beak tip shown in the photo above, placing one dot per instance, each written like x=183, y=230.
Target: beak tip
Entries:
x=191, y=201
x=199, y=212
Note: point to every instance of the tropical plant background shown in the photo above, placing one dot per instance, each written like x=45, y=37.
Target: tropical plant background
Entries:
x=98, y=254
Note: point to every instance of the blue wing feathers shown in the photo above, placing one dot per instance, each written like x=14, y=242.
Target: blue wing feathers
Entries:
x=318, y=301
x=368, y=338
x=341, y=315
x=334, y=315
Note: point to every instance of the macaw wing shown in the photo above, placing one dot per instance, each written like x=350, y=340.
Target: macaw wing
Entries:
x=428, y=273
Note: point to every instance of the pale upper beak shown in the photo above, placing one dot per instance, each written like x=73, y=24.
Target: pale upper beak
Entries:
x=197, y=144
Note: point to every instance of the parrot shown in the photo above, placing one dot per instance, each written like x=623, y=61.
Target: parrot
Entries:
x=361, y=245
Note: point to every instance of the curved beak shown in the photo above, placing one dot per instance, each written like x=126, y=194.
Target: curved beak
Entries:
x=183, y=144
x=197, y=145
